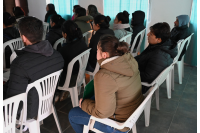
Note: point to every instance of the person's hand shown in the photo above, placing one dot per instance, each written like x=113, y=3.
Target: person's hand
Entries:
x=80, y=102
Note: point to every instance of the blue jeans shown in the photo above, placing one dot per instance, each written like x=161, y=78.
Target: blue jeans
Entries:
x=78, y=118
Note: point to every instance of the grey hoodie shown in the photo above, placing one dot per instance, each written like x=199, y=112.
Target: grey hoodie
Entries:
x=183, y=20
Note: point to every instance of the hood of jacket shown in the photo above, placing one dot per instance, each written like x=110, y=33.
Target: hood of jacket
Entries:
x=42, y=47
x=183, y=20
x=86, y=19
x=138, y=18
x=105, y=31
x=124, y=65
x=168, y=46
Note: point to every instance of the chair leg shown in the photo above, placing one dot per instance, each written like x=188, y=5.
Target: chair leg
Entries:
x=134, y=130
x=180, y=71
x=85, y=129
x=33, y=125
x=56, y=119
x=172, y=78
x=147, y=112
x=182, y=61
x=74, y=96
x=168, y=83
x=91, y=77
x=79, y=90
x=157, y=98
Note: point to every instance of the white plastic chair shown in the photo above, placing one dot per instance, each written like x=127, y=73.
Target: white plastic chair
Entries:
x=141, y=34
x=94, y=72
x=130, y=122
x=59, y=41
x=82, y=59
x=127, y=38
x=14, y=44
x=87, y=36
x=180, y=64
x=10, y=107
x=46, y=29
x=45, y=87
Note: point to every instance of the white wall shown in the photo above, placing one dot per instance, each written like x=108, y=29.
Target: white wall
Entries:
x=37, y=8
x=97, y=3
x=167, y=11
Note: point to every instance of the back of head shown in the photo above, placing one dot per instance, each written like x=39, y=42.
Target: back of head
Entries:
x=80, y=11
x=51, y=7
x=8, y=19
x=76, y=6
x=58, y=20
x=31, y=28
x=161, y=30
x=183, y=20
x=124, y=17
x=92, y=10
x=138, y=17
x=111, y=44
x=18, y=12
x=72, y=30
x=102, y=21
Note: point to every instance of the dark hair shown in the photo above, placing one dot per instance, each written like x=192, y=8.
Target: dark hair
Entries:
x=92, y=10
x=161, y=30
x=58, y=20
x=50, y=12
x=18, y=12
x=76, y=6
x=72, y=30
x=8, y=19
x=80, y=11
x=124, y=17
x=31, y=28
x=102, y=21
x=109, y=43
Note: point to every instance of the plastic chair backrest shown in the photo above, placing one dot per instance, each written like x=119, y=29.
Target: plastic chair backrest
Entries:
x=188, y=40
x=180, y=48
x=87, y=36
x=136, y=114
x=14, y=55
x=10, y=107
x=127, y=38
x=14, y=44
x=141, y=34
x=45, y=87
x=82, y=59
x=59, y=41
x=45, y=29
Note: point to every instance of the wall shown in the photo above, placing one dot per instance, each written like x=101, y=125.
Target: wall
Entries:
x=8, y=5
x=97, y=3
x=166, y=11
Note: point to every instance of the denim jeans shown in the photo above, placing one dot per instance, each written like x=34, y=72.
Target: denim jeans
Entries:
x=78, y=118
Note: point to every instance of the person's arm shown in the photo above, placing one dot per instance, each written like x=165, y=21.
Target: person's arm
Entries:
x=105, y=97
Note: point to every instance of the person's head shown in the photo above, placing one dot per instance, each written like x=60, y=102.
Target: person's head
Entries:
x=110, y=46
x=71, y=31
x=56, y=20
x=92, y=10
x=122, y=18
x=159, y=32
x=31, y=30
x=75, y=6
x=181, y=20
x=80, y=11
x=18, y=12
x=50, y=7
x=137, y=18
x=8, y=20
x=101, y=21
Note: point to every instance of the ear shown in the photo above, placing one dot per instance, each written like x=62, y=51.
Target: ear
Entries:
x=24, y=38
x=53, y=24
x=65, y=35
x=159, y=40
x=98, y=25
x=105, y=55
x=120, y=22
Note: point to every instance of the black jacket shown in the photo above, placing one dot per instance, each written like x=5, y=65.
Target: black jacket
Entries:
x=53, y=35
x=68, y=51
x=137, y=25
x=155, y=58
x=179, y=33
x=93, y=45
x=32, y=63
x=9, y=34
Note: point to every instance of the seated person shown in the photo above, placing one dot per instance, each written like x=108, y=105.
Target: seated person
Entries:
x=9, y=33
x=37, y=60
x=82, y=20
x=137, y=24
x=121, y=24
x=50, y=8
x=158, y=55
x=101, y=26
x=75, y=6
x=73, y=47
x=55, y=32
x=117, y=88
x=92, y=11
x=181, y=31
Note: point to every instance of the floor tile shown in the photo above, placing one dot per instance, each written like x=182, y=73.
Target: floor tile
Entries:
x=175, y=94
x=43, y=130
x=191, y=88
x=189, y=98
x=66, y=108
x=69, y=130
x=192, y=80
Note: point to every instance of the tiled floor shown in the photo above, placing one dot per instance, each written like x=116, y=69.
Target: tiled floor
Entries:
x=176, y=115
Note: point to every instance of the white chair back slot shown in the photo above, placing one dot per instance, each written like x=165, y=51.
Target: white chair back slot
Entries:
x=141, y=34
x=14, y=44
x=45, y=29
x=59, y=41
x=180, y=49
x=87, y=36
x=10, y=107
x=127, y=38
